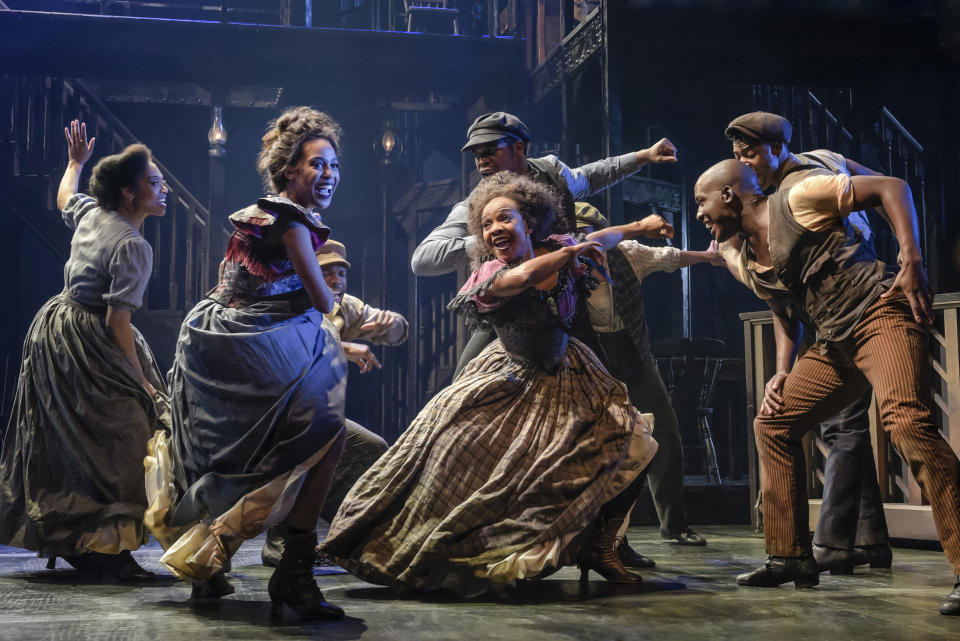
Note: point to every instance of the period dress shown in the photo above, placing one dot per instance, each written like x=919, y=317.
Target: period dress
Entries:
x=71, y=476
x=500, y=474
x=257, y=391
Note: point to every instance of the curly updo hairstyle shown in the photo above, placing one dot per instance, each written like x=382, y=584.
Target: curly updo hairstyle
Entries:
x=283, y=143
x=112, y=173
x=536, y=203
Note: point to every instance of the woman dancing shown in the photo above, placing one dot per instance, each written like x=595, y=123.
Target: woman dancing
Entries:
x=518, y=467
x=71, y=477
x=258, y=380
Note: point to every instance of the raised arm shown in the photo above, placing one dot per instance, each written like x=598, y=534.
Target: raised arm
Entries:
x=538, y=269
x=447, y=247
x=653, y=226
x=79, y=151
x=594, y=177
x=895, y=197
x=299, y=248
x=711, y=255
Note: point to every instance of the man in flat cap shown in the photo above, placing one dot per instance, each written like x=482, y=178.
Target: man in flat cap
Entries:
x=851, y=529
x=872, y=329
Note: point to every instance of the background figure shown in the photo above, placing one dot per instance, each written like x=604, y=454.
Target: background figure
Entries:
x=71, y=477
x=527, y=460
x=258, y=379
x=617, y=332
x=852, y=528
x=354, y=320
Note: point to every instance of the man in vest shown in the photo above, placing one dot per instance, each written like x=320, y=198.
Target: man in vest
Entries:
x=872, y=331
x=851, y=529
x=499, y=142
x=617, y=333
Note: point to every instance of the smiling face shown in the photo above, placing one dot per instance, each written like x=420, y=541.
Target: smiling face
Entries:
x=505, y=231
x=313, y=179
x=714, y=209
x=336, y=279
x=506, y=154
x=763, y=158
x=150, y=194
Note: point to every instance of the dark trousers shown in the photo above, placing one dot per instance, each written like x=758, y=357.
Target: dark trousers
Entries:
x=649, y=395
x=889, y=351
x=851, y=513
x=478, y=340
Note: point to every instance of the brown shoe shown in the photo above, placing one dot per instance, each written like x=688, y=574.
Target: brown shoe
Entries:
x=599, y=553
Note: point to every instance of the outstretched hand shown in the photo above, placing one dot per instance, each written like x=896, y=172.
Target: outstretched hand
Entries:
x=714, y=257
x=79, y=149
x=662, y=151
x=379, y=324
x=655, y=226
x=912, y=282
x=361, y=355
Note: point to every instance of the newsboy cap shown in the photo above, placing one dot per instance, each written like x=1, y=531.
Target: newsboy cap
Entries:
x=494, y=126
x=332, y=253
x=759, y=127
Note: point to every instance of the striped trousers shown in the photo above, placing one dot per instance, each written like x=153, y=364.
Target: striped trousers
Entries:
x=889, y=351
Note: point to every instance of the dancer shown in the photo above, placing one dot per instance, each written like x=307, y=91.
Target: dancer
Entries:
x=617, y=330
x=851, y=529
x=871, y=333
x=258, y=380
x=71, y=477
x=525, y=462
x=354, y=320
x=499, y=143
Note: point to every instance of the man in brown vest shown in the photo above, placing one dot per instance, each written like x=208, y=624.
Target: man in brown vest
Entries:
x=872, y=331
x=851, y=529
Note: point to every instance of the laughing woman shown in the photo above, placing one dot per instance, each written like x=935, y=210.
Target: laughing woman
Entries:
x=71, y=476
x=258, y=380
x=519, y=466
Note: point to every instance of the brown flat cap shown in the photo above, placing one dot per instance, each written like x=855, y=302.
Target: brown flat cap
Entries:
x=332, y=253
x=759, y=127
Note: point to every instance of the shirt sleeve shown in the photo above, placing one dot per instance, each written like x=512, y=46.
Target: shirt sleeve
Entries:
x=645, y=259
x=356, y=313
x=478, y=283
x=77, y=207
x=129, y=270
x=818, y=202
x=594, y=177
x=447, y=247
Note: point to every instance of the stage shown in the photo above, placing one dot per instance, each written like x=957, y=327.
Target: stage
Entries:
x=691, y=595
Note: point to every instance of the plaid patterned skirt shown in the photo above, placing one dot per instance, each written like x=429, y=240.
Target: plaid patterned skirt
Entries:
x=496, y=478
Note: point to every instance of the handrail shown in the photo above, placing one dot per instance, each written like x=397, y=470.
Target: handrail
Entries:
x=901, y=129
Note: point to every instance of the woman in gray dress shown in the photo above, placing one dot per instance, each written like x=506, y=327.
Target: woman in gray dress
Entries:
x=71, y=475
x=258, y=380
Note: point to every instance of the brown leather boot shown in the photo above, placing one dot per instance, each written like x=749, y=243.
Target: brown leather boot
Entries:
x=292, y=582
x=599, y=553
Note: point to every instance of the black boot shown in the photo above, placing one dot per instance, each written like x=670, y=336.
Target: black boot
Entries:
x=292, y=582
x=213, y=588
x=951, y=606
x=803, y=572
x=599, y=553
x=117, y=567
x=630, y=557
x=835, y=560
x=878, y=556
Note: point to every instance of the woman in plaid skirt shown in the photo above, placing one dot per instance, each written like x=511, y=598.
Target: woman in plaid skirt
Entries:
x=518, y=467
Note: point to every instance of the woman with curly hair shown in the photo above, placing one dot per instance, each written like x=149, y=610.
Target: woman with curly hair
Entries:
x=518, y=467
x=71, y=477
x=257, y=384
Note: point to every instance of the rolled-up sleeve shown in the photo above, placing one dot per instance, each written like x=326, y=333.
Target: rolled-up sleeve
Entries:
x=129, y=270
x=77, y=207
x=446, y=248
x=645, y=259
x=356, y=314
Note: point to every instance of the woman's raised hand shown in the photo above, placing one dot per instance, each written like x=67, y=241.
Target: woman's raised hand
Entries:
x=588, y=249
x=79, y=149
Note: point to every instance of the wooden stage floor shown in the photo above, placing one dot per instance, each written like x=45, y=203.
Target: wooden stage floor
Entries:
x=690, y=595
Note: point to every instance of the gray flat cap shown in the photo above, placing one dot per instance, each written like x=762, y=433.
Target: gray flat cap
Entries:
x=759, y=127
x=495, y=126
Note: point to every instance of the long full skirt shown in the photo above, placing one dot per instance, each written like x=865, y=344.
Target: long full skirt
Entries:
x=496, y=479
x=257, y=397
x=71, y=475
